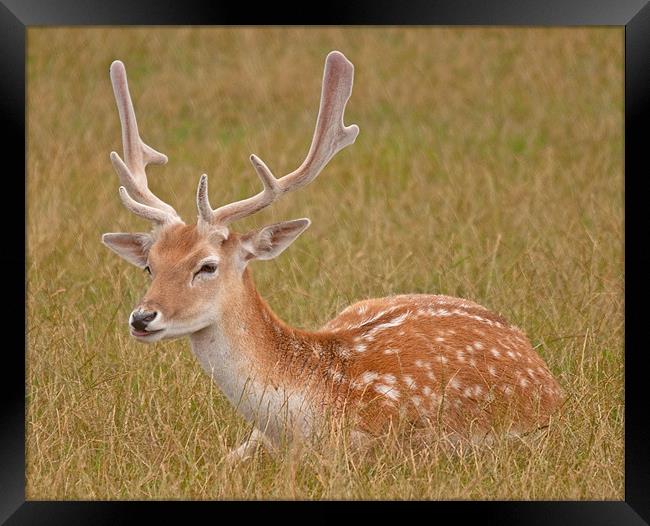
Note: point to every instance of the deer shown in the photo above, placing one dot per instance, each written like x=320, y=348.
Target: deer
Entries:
x=420, y=357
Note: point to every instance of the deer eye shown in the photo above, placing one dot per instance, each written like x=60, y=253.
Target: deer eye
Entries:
x=208, y=268
x=147, y=269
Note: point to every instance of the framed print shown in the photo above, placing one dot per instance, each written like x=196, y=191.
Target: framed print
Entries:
x=396, y=242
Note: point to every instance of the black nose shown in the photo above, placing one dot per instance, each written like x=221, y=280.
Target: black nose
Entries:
x=140, y=319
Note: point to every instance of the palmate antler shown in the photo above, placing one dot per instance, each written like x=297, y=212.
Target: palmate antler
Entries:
x=134, y=191
x=330, y=136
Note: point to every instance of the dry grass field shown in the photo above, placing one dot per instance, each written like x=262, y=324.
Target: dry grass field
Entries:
x=489, y=166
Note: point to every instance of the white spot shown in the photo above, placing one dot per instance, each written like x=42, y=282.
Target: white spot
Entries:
x=454, y=383
x=389, y=379
x=460, y=356
x=478, y=390
x=416, y=400
x=395, y=322
x=369, y=376
x=492, y=370
x=478, y=346
x=337, y=377
x=469, y=348
x=466, y=314
x=440, y=339
x=472, y=362
x=391, y=351
x=422, y=364
x=523, y=382
x=410, y=382
x=507, y=390
x=387, y=390
x=443, y=360
x=426, y=390
x=375, y=317
x=531, y=373
x=511, y=354
x=360, y=347
x=494, y=352
x=431, y=376
x=467, y=392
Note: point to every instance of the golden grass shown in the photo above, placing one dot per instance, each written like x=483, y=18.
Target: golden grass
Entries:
x=489, y=166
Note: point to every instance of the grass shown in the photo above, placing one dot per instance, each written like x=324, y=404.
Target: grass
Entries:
x=489, y=166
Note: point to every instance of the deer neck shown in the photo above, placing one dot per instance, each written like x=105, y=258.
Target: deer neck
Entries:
x=245, y=353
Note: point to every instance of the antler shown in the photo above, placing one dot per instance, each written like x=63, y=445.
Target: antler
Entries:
x=134, y=191
x=330, y=136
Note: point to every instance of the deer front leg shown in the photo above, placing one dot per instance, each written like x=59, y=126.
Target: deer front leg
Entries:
x=246, y=450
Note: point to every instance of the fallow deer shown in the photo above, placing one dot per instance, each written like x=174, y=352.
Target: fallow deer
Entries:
x=422, y=357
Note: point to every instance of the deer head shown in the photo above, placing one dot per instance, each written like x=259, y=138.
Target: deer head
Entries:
x=197, y=270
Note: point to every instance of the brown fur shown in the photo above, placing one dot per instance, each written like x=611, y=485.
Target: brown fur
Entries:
x=472, y=386
x=450, y=361
x=431, y=359
x=176, y=251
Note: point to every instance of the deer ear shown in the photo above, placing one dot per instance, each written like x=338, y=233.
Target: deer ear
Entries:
x=132, y=247
x=270, y=241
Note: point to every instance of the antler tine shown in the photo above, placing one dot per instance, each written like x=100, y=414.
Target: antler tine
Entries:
x=148, y=212
x=330, y=136
x=137, y=155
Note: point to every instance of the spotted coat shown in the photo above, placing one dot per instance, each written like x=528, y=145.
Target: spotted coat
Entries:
x=438, y=359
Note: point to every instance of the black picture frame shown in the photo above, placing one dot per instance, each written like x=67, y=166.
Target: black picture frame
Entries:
x=633, y=15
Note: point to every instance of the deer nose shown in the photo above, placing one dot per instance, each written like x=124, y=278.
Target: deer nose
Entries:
x=140, y=319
